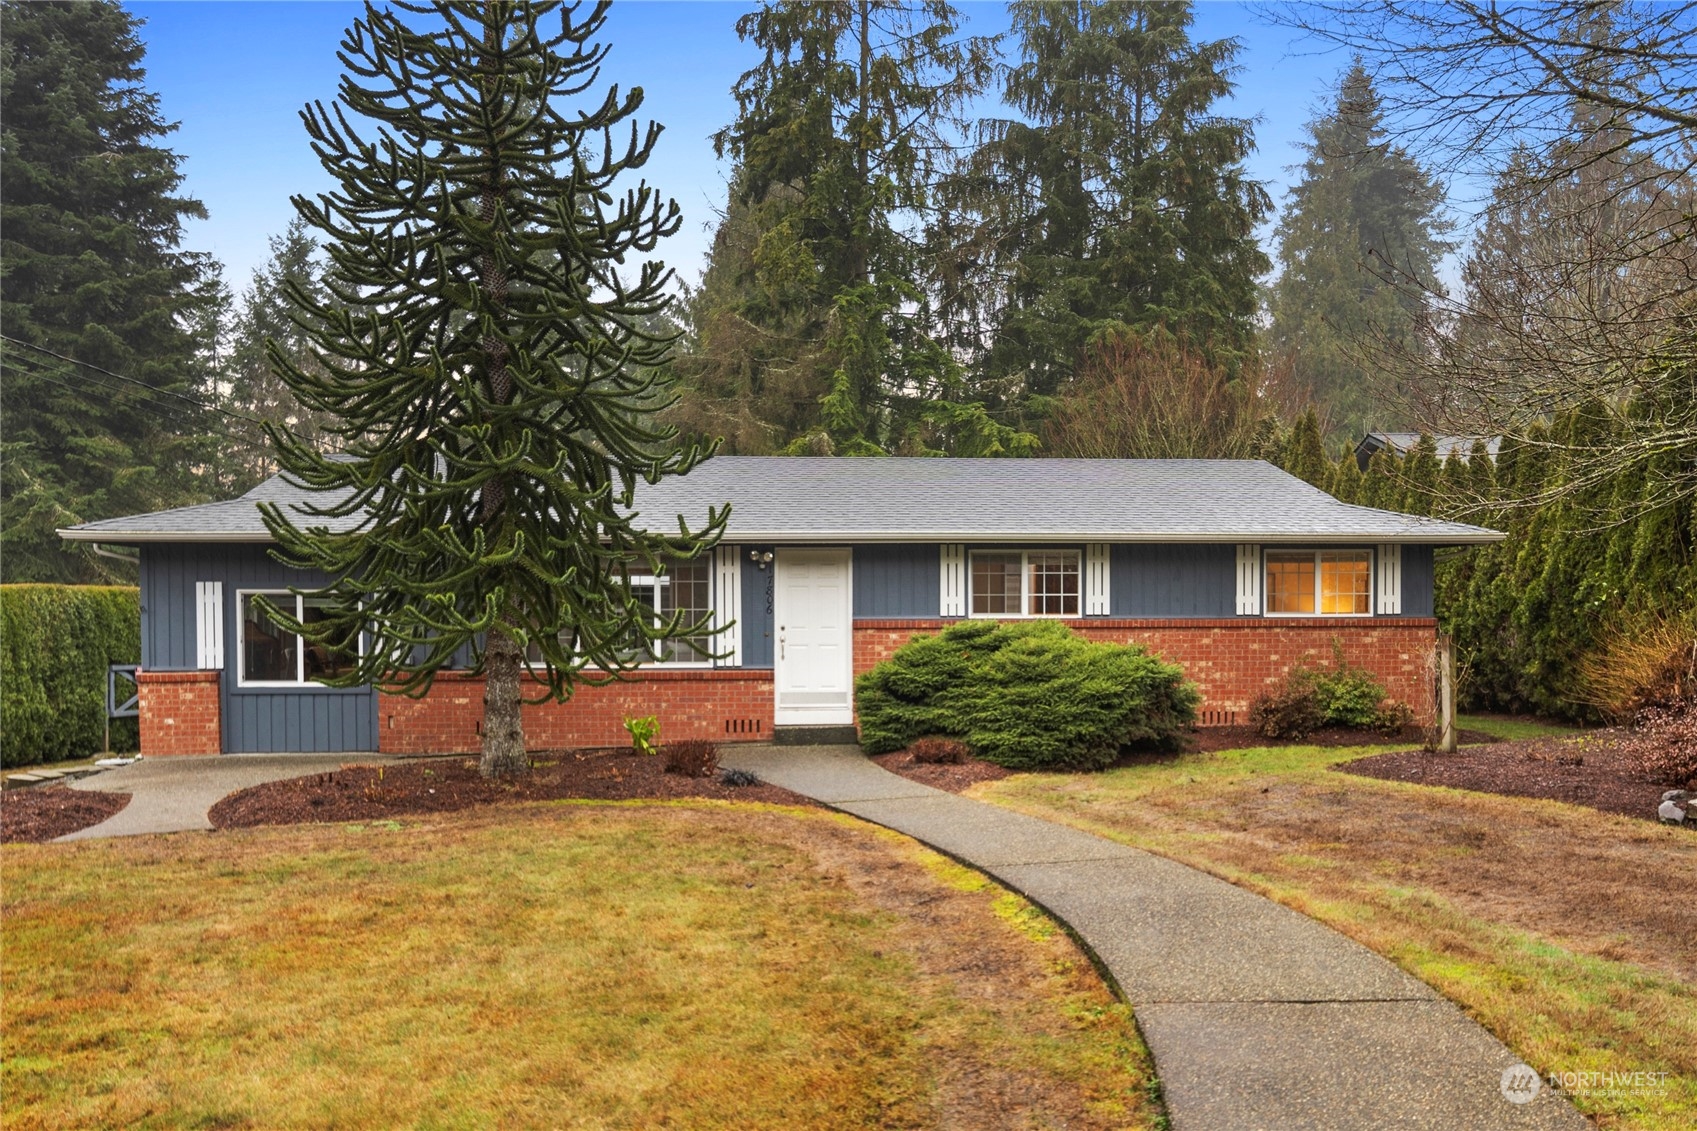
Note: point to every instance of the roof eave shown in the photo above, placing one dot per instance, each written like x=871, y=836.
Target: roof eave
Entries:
x=792, y=537
x=136, y=537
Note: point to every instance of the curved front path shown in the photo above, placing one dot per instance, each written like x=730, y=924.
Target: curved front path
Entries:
x=169, y=795
x=1256, y=1016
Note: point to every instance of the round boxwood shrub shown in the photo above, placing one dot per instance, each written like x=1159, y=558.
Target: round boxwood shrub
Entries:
x=1028, y=695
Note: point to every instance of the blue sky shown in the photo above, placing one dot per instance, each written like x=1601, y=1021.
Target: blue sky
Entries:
x=236, y=74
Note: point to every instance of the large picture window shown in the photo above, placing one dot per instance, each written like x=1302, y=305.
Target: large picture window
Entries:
x=272, y=655
x=1327, y=583
x=685, y=590
x=1024, y=583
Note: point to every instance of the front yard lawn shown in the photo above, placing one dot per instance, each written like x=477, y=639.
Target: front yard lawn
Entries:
x=1570, y=934
x=693, y=964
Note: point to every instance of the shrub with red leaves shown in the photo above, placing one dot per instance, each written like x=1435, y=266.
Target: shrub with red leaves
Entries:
x=692, y=757
x=938, y=751
x=1664, y=744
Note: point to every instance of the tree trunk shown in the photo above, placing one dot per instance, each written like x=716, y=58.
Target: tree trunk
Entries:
x=503, y=725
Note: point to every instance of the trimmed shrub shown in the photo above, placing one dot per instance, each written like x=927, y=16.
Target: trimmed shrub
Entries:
x=1027, y=695
x=55, y=644
x=692, y=757
x=903, y=698
x=938, y=751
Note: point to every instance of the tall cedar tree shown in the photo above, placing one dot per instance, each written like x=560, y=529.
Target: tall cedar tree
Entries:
x=1359, y=244
x=1116, y=199
x=268, y=319
x=90, y=227
x=813, y=323
x=485, y=361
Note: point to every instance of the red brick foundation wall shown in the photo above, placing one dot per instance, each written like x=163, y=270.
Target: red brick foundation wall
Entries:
x=725, y=705
x=1233, y=661
x=179, y=713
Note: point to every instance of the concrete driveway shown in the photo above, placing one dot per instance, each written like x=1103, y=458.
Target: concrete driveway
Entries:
x=169, y=795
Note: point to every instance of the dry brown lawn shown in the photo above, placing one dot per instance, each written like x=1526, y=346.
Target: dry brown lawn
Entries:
x=1571, y=934
x=696, y=965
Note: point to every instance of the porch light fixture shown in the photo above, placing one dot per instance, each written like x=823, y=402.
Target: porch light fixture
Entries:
x=761, y=559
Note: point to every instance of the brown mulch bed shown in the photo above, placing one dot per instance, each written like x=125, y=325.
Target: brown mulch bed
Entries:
x=958, y=778
x=1585, y=770
x=40, y=813
x=954, y=777
x=1208, y=740
x=442, y=785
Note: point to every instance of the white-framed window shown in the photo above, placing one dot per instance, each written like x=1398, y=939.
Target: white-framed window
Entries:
x=1322, y=583
x=271, y=655
x=1024, y=583
x=684, y=590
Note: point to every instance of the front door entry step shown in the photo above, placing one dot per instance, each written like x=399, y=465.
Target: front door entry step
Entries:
x=816, y=736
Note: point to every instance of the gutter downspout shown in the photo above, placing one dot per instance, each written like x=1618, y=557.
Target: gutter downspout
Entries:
x=117, y=557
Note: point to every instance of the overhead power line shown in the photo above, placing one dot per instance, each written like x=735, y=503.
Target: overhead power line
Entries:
x=156, y=391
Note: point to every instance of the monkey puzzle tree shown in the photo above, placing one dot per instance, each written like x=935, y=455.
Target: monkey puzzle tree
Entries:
x=489, y=366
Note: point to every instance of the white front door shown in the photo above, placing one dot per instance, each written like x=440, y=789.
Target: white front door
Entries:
x=813, y=613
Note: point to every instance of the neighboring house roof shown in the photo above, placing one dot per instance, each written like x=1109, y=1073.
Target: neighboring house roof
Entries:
x=1401, y=443
x=824, y=499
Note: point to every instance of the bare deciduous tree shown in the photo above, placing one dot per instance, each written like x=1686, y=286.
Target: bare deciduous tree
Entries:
x=1580, y=287
x=1149, y=396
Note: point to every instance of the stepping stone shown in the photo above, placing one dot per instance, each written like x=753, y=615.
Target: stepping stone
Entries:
x=49, y=775
x=24, y=779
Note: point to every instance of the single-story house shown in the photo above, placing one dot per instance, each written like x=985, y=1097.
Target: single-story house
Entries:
x=1399, y=444
x=1231, y=568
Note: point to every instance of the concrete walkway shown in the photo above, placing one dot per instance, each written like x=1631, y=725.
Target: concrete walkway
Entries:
x=1257, y=1016
x=169, y=795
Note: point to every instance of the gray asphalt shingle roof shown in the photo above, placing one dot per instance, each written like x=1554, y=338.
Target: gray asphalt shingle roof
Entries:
x=803, y=499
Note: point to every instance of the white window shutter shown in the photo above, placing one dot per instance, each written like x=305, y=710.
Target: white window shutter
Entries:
x=209, y=625
x=727, y=606
x=1249, y=580
x=1096, y=602
x=1390, y=580
x=952, y=598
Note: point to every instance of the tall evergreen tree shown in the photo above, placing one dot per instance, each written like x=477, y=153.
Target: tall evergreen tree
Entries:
x=814, y=324
x=90, y=228
x=486, y=359
x=268, y=319
x=1116, y=197
x=1362, y=224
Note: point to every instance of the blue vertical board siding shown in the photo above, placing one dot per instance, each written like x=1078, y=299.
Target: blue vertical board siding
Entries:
x=1154, y=580
x=756, y=611
x=1417, y=582
x=897, y=580
x=301, y=719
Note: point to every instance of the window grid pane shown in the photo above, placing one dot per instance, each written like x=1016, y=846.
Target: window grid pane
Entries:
x=995, y=584
x=1290, y=583
x=1346, y=584
x=687, y=592
x=1054, y=584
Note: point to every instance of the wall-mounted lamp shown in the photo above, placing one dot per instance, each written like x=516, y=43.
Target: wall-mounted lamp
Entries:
x=760, y=558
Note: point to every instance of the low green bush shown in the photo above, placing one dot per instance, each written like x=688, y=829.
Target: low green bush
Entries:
x=55, y=644
x=1343, y=695
x=1028, y=695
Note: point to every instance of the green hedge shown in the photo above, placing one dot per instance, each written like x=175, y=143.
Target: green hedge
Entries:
x=1028, y=695
x=55, y=644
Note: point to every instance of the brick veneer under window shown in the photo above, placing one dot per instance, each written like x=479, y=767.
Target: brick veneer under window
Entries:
x=179, y=713
x=723, y=705
x=1234, y=660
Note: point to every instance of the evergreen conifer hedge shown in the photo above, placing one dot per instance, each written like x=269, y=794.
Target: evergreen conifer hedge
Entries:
x=55, y=644
x=1028, y=695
